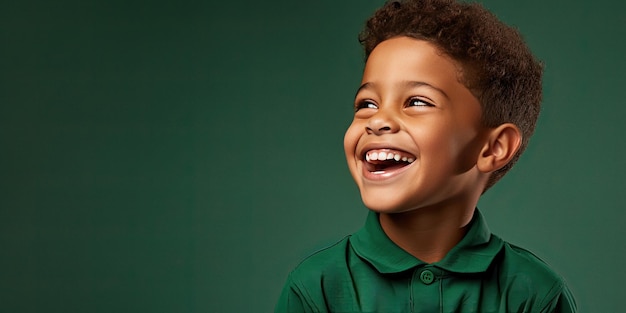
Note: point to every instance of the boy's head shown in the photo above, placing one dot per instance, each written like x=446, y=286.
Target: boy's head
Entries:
x=496, y=64
x=444, y=83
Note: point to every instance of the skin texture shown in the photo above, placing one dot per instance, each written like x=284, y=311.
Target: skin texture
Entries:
x=411, y=100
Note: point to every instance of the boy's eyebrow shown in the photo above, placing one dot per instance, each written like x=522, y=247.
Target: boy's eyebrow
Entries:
x=362, y=87
x=407, y=84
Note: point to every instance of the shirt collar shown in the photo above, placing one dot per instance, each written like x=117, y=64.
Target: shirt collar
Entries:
x=473, y=254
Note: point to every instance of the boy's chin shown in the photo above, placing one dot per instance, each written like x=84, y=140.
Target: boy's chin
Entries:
x=385, y=205
x=390, y=202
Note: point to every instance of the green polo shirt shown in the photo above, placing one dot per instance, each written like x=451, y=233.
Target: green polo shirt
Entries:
x=367, y=272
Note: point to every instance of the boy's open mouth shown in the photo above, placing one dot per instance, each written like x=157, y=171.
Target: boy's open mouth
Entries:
x=384, y=160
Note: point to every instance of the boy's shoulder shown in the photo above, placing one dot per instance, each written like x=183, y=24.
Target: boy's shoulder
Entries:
x=326, y=261
x=529, y=281
x=516, y=258
x=522, y=269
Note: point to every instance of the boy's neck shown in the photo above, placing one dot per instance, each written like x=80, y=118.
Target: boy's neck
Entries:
x=427, y=233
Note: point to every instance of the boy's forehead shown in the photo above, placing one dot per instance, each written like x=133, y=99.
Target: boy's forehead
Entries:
x=405, y=59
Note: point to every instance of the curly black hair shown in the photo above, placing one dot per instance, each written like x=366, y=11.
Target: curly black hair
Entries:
x=497, y=65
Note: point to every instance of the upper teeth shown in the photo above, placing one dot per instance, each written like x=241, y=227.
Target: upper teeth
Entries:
x=373, y=156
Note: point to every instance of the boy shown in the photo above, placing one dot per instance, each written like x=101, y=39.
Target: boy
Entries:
x=448, y=100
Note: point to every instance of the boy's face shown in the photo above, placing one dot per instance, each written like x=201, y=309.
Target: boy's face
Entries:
x=416, y=133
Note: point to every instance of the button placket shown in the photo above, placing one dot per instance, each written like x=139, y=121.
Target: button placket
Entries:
x=425, y=294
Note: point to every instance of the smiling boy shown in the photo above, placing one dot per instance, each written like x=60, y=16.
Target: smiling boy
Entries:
x=447, y=102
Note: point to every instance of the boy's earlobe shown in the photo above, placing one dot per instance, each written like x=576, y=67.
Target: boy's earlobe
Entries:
x=501, y=145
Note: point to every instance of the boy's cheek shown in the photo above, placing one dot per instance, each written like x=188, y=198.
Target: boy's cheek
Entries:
x=350, y=140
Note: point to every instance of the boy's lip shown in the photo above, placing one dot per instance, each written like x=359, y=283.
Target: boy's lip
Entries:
x=401, y=161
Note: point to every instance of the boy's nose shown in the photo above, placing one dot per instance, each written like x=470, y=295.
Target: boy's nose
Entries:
x=381, y=124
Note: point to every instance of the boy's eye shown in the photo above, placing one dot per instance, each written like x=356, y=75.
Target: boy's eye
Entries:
x=365, y=105
x=414, y=102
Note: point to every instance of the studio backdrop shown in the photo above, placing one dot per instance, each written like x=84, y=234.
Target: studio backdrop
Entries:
x=184, y=156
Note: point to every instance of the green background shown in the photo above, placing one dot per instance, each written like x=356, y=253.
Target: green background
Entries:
x=185, y=156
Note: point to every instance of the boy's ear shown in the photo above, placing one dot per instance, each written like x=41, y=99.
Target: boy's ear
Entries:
x=501, y=145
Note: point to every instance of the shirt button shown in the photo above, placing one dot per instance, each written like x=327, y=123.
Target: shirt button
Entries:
x=427, y=277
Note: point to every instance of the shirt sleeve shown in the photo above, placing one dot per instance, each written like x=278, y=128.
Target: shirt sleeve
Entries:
x=291, y=300
x=564, y=302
